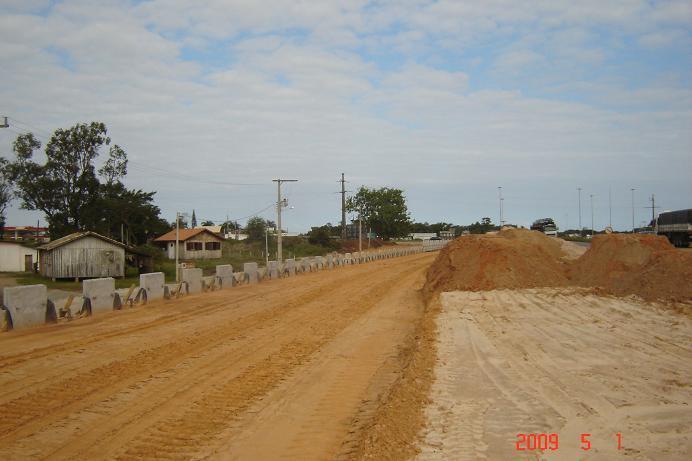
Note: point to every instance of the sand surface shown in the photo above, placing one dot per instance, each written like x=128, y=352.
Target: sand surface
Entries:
x=287, y=369
x=559, y=360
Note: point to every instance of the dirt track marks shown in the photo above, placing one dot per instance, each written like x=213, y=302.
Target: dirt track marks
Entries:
x=184, y=372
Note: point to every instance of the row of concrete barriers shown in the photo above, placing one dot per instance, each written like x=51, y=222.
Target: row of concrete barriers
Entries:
x=27, y=306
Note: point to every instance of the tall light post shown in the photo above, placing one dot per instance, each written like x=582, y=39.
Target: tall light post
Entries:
x=499, y=192
x=580, y=228
x=591, y=196
x=280, y=204
x=632, y=190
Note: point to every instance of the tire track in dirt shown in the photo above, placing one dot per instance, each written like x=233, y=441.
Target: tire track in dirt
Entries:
x=237, y=351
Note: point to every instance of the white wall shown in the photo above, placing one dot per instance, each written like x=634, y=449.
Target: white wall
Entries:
x=12, y=256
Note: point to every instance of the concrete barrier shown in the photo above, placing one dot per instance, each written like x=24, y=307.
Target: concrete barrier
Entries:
x=273, y=270
x=100, y=293
x=153, y=284
x=329, y=261
x=262, y=273
x=305, y=264
x=193, y=278
x=250, y=271
x=289, y=267
x=319, y=263
x=348, y=259
x=28, y=306
x=224, y=276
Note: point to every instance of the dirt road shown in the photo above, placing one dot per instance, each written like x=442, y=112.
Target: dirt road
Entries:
x=287, y=369
x=559, y=361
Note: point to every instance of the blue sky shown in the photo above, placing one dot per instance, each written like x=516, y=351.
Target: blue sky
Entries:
x=447, y=100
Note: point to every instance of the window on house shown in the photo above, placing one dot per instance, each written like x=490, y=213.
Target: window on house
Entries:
x=193, y=246
x=212, y=245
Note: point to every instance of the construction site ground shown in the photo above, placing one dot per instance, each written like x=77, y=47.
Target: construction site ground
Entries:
x=287, y=369
x=430, y=356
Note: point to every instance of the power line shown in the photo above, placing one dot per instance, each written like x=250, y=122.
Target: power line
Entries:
x=185, y=177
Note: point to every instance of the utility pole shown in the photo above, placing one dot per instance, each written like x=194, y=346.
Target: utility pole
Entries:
x=360, y=230
x=610, y=208
x=580, y=228
x=591, y=195
x=280, y=204
x=653, y=208
x=177, y=239
x=3, y=123
x=343, y=207
x=499, y=191
x=632, y=190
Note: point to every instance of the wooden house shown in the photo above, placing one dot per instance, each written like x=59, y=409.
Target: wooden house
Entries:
x=196, y=243
x=82, y=255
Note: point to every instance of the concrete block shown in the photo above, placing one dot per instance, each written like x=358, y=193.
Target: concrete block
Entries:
x=224, y=276
x=273, y=270
x=348, y=259
x=250, y=271
x=319, y=263
x=305, y=265
x=329, y=261
x=289, y=267
x=153, y=284
x=262, y=273
x=27, y=305
x=101, y=294
x=193, y=277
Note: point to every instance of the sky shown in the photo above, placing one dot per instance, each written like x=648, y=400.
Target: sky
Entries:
x=447, y=100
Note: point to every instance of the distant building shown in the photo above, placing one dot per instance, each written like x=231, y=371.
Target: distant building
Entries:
x=82, y=255
x=192, y=244
x=446, y=234
x=422, y=235
x=17, y=257
x=25, y=233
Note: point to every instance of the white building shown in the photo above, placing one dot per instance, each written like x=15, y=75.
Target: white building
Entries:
x=16, y=257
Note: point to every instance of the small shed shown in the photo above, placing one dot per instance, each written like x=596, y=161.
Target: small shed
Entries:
x=82, y=255
x=17, y=257
x=192, y=243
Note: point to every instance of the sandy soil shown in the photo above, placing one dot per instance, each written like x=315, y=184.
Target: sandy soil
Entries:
x=559, y=360
x=288, y=369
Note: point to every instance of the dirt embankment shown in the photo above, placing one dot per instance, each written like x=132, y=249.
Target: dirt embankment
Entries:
x=620, y=264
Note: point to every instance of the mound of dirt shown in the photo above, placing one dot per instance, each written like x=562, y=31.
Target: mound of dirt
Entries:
x=645, y=265
x=621, y=264
x=511, y=258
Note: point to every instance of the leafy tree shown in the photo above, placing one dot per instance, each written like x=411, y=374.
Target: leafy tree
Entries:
x=68, y=190
x=383, y=210
x=208, y=223
x=255, y=229
x=5, y=193
x=319, y=236
x=229, y=226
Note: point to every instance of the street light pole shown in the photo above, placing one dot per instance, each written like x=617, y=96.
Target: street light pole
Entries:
x=632, y=190
x=580, y=228
x=591, y=196
x=280, y=204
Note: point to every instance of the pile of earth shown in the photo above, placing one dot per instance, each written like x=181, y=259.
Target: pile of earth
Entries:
x=621, y=264
x=511, y=258
x=645, y=265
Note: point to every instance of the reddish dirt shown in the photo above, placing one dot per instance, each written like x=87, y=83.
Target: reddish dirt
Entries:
x=620, y=264
x=645, y=265
x=512, y=258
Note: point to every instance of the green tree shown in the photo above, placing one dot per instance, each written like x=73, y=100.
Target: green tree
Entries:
x=207, y=223
x=319, y=236
x=5, y=193
x=383, y=210
x=68, y=190
x=255, y=229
